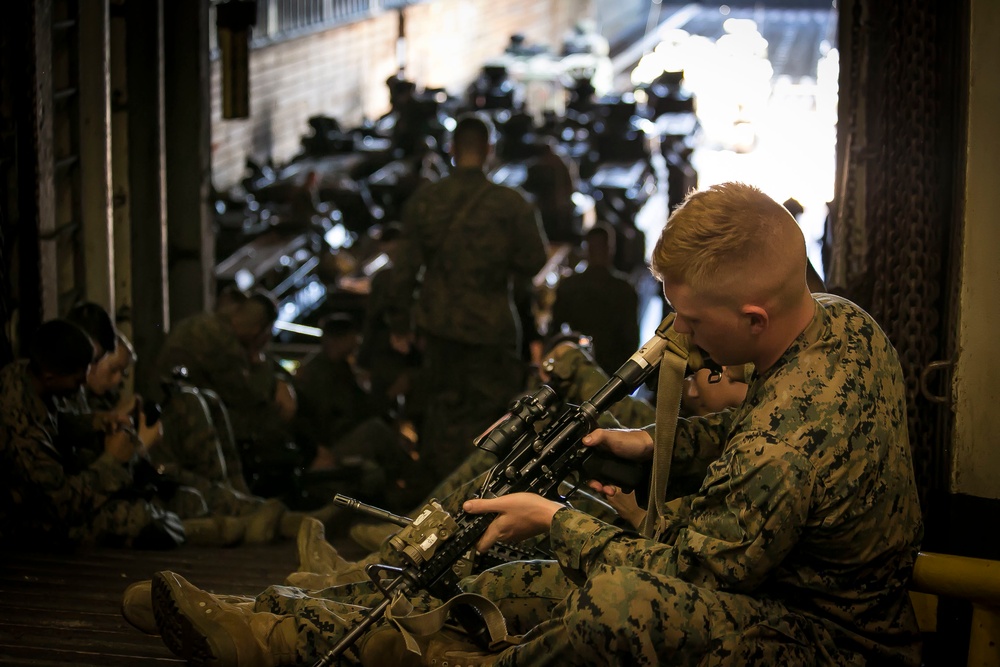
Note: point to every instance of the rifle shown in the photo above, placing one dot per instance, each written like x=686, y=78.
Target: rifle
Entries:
x=435, y=544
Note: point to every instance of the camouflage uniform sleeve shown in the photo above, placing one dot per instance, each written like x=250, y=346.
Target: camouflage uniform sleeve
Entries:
x=698, y=442
x=71, y=498
x=748, y=516
x=633, y=412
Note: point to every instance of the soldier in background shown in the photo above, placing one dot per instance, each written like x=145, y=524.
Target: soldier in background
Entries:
x=390, y=372
x=551, y=180
x=101, y=391
x=465, y=240
x=339, y=420
x=600, y=302
x=215, y=348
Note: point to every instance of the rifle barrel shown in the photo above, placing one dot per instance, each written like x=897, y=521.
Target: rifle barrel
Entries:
x=371, y=510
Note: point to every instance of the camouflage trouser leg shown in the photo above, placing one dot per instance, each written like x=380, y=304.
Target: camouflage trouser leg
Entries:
x=525, y=591
x=225, y=500
x=187, y=503
x=116, y=519
x=323, y=617
x=627, y=616
x=467, y=388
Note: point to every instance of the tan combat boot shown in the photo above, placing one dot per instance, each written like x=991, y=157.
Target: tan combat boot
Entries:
x=291, y=522
x=263, y=523
x=204, y=630
x=320, y=566
x=316, y=555
x=370, y=536
x=137, y=606
x=214, y=531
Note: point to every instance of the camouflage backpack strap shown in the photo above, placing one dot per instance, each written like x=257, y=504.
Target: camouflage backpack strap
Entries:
x=462, y=213
x=668, y=403
x=400, y=615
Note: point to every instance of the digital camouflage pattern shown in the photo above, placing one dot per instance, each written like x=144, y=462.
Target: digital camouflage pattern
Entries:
x=469, y=263
x=797, y=549
x=41, y=498
x=191, y=443
x=81, y=441
x=206, y=345
x=389, y=371
x=526, y=593
x=801, y=539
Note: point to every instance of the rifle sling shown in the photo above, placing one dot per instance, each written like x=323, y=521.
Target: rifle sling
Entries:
x=400, y=615
x=668, y=403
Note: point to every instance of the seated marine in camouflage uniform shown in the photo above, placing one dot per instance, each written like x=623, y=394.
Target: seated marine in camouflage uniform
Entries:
x=190, y=458
x=215, y=349
x=209, y=512
x=51, y=495
x=797, y=548
x=338, y=418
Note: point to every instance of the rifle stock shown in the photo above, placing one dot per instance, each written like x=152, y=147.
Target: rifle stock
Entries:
x=530, y=462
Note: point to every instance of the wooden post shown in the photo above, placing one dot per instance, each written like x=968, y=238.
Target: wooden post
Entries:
x=95, y=153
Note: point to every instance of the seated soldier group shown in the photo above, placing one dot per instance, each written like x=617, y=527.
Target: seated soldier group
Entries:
x=786, y=536
x=224, y=464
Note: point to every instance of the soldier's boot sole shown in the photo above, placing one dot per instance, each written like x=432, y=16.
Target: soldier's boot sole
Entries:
x=137, y=606
x=178, y=632
x=205, y=630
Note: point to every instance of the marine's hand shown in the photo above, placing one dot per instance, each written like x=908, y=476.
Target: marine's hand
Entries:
x=519, y=516
x=120, y=445
x=401, y=342
x=629, y=444
x=623, y=503
x=109, y=422
x=149, y=434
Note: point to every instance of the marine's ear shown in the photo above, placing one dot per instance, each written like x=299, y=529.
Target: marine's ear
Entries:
x=757, y=317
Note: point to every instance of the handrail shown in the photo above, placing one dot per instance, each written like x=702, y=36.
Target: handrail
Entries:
x=974, y=579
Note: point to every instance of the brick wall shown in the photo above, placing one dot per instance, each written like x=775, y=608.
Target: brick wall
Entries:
x=341, y=72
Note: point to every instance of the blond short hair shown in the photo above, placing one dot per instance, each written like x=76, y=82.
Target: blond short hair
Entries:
x=726, y=237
